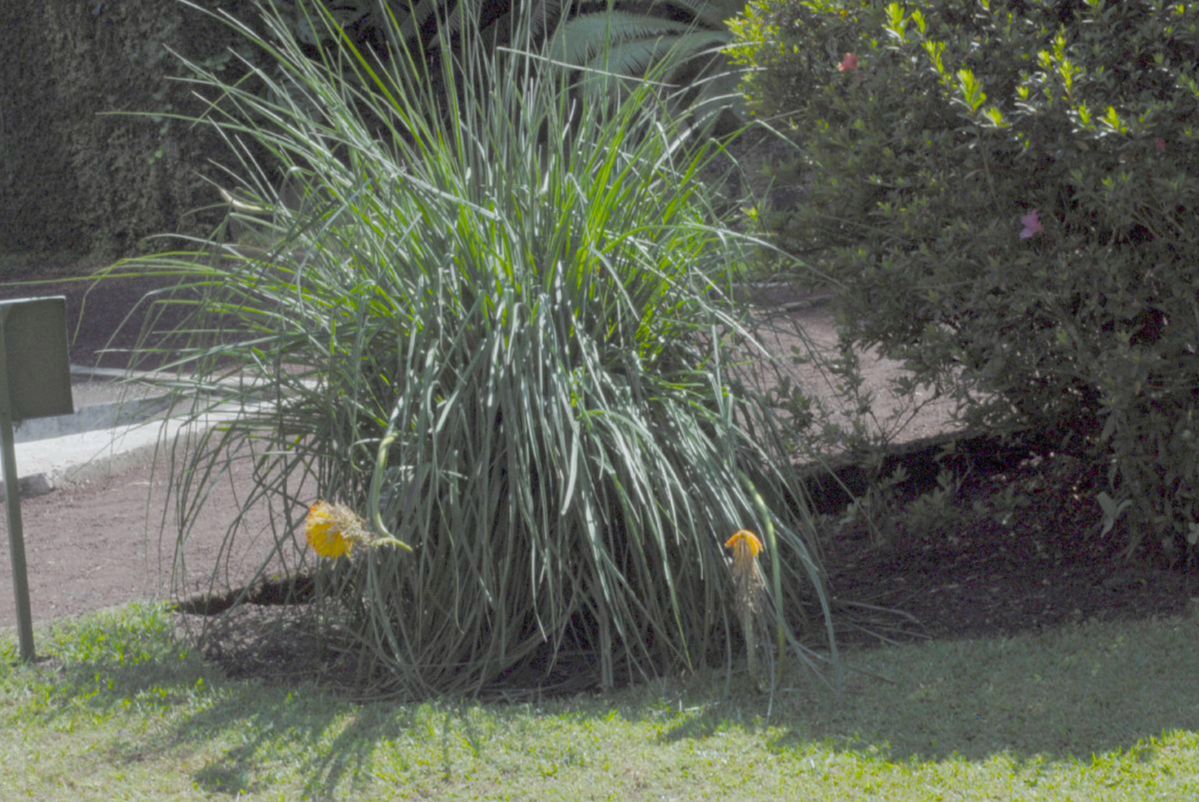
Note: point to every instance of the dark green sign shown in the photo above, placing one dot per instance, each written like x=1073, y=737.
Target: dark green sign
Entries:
x=35, y=350
x=35, y=382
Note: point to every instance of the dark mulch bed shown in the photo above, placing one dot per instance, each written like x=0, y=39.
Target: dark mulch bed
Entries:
x=1017, y=550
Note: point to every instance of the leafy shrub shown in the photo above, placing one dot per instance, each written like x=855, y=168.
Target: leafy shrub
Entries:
x=494, y=334
x=1009, y=191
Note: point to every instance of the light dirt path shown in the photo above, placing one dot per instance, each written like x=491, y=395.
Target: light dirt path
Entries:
x=103, y=543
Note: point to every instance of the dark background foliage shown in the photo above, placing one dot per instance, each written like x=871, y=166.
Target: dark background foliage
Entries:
x=75, y=178
x=78, y=177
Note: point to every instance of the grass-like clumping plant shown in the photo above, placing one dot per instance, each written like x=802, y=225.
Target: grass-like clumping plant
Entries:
x=488, y=323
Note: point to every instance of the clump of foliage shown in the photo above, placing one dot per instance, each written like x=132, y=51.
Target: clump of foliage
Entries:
x=681, y=42
x=495, y=333
x=1008, y=190
x=381, y=27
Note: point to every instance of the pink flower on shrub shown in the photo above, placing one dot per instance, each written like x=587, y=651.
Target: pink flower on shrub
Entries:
x=1032, y=225
x=1160, y=144
x=848, y=64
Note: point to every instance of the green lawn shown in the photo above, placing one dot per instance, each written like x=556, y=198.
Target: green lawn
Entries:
x=1089, y=712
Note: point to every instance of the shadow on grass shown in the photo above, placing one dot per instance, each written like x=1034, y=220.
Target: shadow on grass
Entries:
x=331, y=742
x=1068, y=695
x=1065, y=694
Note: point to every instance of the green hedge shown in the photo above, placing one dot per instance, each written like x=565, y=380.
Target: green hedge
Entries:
x=83, y=166
x=1009, y=192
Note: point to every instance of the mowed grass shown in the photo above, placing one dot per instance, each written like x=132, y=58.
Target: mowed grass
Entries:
x=1089, y=712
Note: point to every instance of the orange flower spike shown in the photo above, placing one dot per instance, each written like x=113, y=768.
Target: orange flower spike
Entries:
x=745, y=544
x=749, y=589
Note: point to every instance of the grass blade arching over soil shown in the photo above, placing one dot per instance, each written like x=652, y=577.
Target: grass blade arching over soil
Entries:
x=488, y=320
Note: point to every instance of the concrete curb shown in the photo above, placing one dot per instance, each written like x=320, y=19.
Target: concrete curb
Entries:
x=44, y=465
x=102, y=438
x=110, y=415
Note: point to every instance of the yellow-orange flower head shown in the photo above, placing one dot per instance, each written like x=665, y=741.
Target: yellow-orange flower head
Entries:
x=749, y=589
x=745, y=546
x=748, y=581
x=332, y=530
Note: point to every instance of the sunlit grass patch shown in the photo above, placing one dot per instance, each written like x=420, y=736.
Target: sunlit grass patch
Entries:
x=1101, y=711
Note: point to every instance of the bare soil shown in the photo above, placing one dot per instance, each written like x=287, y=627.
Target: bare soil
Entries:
x=1014, y=550
x=112, y=540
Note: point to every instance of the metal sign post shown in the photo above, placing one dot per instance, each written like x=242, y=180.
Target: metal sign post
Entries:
x=35, y=382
